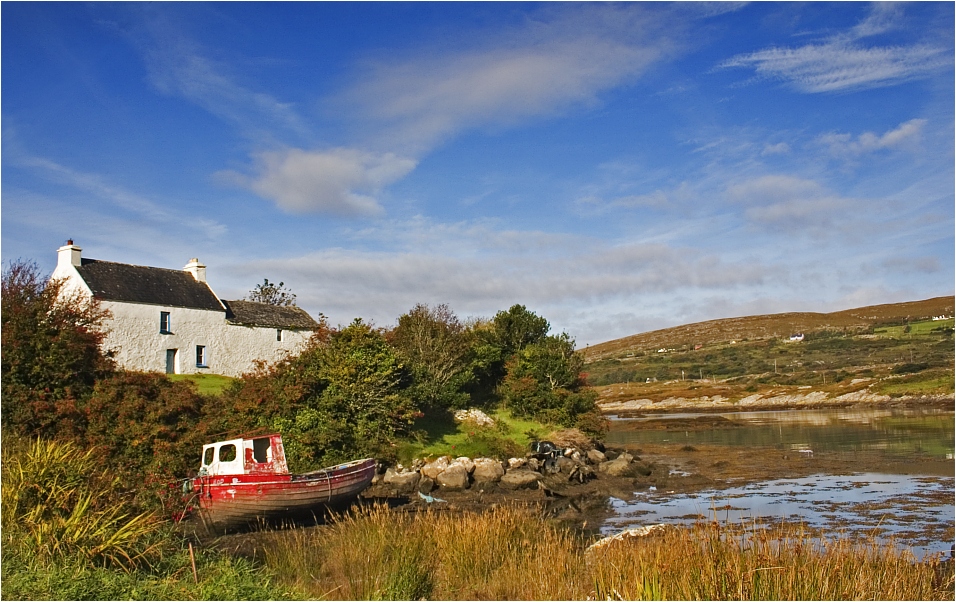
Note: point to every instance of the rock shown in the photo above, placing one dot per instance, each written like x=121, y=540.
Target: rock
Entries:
x=466, y=462
x=626, y=455
x=571, y=438
x=616, y=468
x=519, y=479
x=426, y=485
x=534, y=464
x=434, y=468
x=454, y=477
x=565, y=465
x=581, y=473
x=596, y=457
x=402, y=483
x=514, y=463
x=488, y=471
x=611, y=454
x=474, y=415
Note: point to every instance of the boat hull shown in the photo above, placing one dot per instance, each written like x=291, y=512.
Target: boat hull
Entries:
x=235, y=500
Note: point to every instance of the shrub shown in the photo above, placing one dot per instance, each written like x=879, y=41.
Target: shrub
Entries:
x=51, y=353
x=344, y=396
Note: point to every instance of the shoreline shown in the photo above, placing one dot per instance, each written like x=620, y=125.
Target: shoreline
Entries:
x=815, y=400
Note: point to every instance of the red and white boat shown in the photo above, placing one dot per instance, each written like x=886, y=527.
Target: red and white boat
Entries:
x=243, y=480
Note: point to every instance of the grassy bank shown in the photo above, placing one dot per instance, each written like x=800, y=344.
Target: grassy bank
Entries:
x=207, y=384
x=510, y=553
x=437, y=434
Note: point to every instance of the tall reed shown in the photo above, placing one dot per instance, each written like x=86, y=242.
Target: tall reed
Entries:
x=57, y=503
x=512, y=553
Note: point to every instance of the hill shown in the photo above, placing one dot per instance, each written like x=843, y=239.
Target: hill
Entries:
x=773, y=326
x=880, y=352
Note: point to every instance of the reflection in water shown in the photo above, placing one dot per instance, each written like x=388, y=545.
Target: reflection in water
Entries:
x=917, y=512
x=895, y=431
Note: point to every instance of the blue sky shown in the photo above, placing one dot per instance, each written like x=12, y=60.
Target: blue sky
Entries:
x=616, y=168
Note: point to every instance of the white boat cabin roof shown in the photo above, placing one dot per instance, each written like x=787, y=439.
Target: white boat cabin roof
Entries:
x=259, y=455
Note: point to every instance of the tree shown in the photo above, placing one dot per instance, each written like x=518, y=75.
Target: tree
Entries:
x=544, y=381
x=342, y=397
x=271, y=293
x=438, y=349
x=51, y=352
x=516, y=328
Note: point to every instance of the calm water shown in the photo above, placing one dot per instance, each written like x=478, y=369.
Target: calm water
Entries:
x=897, y=432
x=917, y=511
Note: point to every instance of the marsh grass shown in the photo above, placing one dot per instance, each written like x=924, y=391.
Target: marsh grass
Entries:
x=57, y=504
x=513, y=553
x=69, y=532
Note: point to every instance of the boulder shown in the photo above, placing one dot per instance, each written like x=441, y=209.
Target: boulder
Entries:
x=514, y=463
x=596, y=457
x=454, y=477
x=403, y=483
x=571, y=438
x=488, y=470
x=434, y=468
x=519, y=479
x=426, y=485
x=616, y=468
x=475, y=416
x=565, y=465
x=468, y=463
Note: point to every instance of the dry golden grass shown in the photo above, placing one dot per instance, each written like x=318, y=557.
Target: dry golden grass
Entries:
x=515, y=554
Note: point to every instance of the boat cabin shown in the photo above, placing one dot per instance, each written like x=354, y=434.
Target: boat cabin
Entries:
x=259, y=455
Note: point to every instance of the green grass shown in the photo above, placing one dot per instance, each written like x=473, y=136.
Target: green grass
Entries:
x=915, y=329
x=207, y=384
x=928, y=382
x=439, y=435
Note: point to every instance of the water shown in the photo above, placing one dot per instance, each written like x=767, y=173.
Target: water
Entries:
x=915, y=510
x=893, y=431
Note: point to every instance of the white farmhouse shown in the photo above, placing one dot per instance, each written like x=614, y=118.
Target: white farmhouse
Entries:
x=171, y=320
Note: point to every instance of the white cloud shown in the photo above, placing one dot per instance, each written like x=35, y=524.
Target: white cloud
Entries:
x=781, y=148
x=788, y=203
x=907, y=133
x=340, y=181
x=843, y=63
x=142, y=208
x=536, y=70
x=836, y=67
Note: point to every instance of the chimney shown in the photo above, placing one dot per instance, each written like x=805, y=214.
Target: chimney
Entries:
x=197, y=269
x=68, y=255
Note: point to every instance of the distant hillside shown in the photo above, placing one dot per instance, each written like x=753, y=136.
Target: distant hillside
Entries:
x=772, y=326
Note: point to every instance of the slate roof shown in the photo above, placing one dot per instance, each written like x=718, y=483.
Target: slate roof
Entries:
x=140, y=284
x=252, y=313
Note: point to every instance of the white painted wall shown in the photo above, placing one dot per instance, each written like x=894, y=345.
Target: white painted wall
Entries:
x=133, y=334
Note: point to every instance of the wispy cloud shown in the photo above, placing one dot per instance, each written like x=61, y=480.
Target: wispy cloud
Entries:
x=538, y=69
x=844, y=63
x=843, y=144
x=177, y=65
x=789, y=203
x=145, y=209
x=339, y=181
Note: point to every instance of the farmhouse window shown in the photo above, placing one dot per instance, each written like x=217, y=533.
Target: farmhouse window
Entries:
x=164, y=327
x=201, y=356
x=279, y=335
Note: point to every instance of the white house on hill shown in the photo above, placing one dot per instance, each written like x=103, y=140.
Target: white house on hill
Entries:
x=171, y=320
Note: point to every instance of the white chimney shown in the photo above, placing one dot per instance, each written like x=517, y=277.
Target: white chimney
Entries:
x=197, y=269
x=68, y=255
